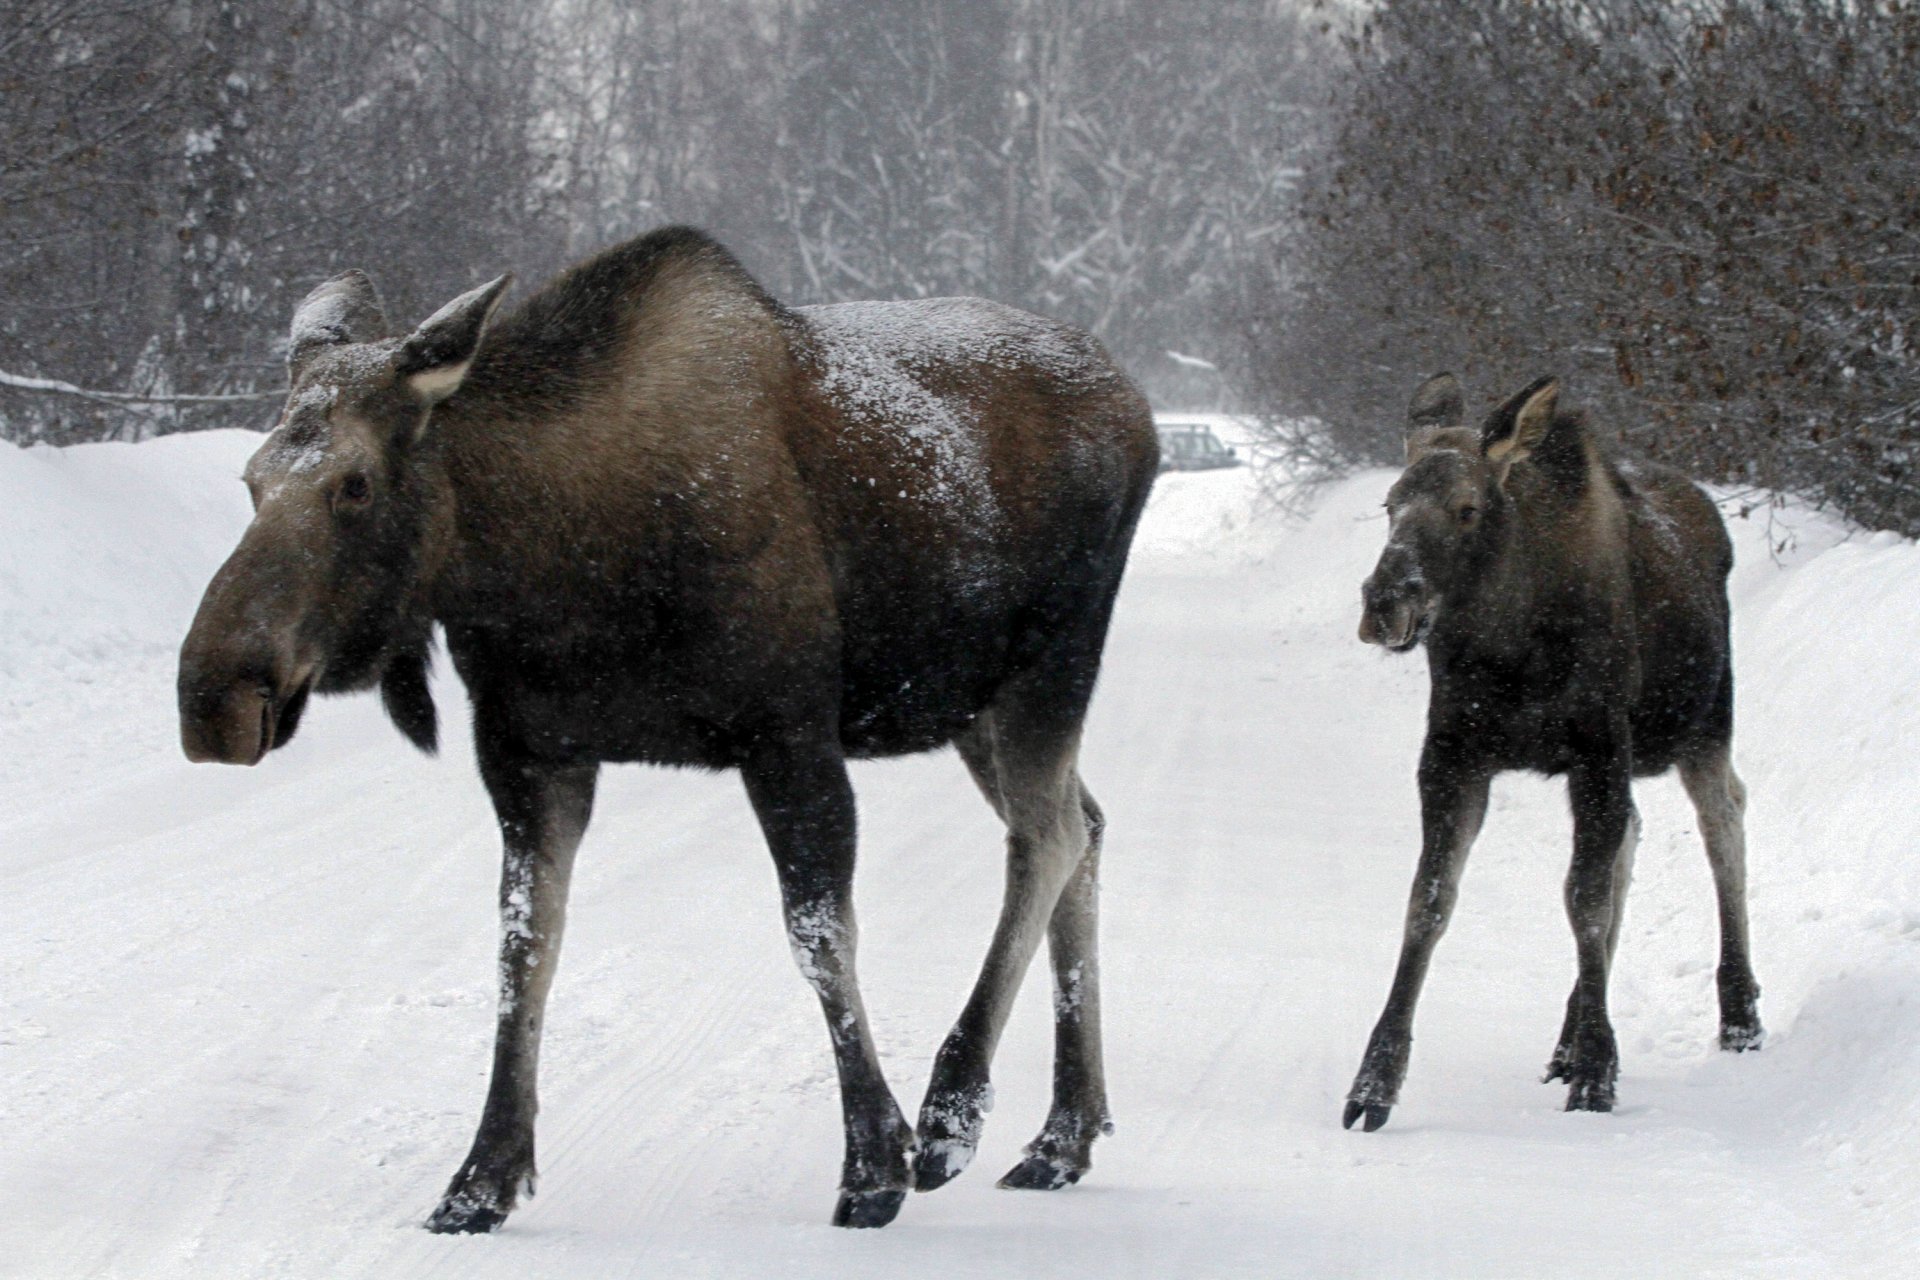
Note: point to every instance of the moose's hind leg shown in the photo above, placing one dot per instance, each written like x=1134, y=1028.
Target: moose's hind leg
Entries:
x=1063, y=1152
x=1036, y=789
x=1720, y=800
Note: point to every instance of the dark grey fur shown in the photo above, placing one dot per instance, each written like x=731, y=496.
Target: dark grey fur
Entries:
x=1575, y=617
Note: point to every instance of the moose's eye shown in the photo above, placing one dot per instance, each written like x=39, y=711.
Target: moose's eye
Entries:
x=355, y=490
x=1468, y=513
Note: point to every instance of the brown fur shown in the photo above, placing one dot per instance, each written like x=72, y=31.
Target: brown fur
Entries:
x=663, y=518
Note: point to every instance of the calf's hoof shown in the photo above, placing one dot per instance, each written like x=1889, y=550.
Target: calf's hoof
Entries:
x=940, y=1161
x=1739, y=1039
x=1374, y=1092
x=1589, y=1061
x=1376, y=1087
x=861, y=1209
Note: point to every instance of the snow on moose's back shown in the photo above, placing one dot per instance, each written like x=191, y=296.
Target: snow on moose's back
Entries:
x=877, y=360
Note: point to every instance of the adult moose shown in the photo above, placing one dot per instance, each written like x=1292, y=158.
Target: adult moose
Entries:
x=1575, y=616
x=663, y=518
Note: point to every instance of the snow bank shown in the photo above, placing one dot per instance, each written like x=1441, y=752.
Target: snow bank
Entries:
x=104, y=551
x=105, y=548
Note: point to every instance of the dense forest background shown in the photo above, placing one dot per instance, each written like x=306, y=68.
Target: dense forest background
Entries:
x=1704, y=214
x=175, y=174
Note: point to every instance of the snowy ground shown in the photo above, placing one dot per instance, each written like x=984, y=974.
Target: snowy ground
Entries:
x=245, y=1014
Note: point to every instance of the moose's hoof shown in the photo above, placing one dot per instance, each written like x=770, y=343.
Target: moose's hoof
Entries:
x=1590, y=1095
x=940, y=1161
x=1377, y=1085
x=1061, y=1155
x=1042, y=1173
x=860, y=1209
x=1742, y=1038
x=484, y=1192
x=950, y=1125
x=463, y=1213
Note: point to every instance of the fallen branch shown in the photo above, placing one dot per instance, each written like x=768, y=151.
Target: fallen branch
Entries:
x=52, y=386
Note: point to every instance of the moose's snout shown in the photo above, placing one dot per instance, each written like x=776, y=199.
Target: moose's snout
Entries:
x=224, y=722
x=1396, y=609
x=242, y=685
x=230, y=715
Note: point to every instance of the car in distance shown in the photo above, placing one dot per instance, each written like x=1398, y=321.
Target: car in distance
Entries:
x=1189, y=444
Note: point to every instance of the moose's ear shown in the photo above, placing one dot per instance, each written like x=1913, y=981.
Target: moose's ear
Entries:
x=1517, y=427
x=1437, y=405
x=342, y=310
x=436, y=356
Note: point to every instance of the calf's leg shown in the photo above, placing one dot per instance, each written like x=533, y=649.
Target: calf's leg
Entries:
x=1600, y=789
x=543, y=812
x=1622, y=878
x=1720, y=800
x=1453, y=803
x=1038, y=792
x=805, y=805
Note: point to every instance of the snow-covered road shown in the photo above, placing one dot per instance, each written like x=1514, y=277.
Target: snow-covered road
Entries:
x=245, y=1015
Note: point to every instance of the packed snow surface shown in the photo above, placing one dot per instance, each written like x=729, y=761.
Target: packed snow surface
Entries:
x=245, y=1015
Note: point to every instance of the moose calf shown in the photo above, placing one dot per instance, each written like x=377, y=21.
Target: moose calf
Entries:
x=1574, y=612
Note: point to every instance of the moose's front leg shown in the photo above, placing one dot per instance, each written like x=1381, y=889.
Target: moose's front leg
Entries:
x=1600, y=788
x=543, y=812
x=805, y=805
x=1453, y=802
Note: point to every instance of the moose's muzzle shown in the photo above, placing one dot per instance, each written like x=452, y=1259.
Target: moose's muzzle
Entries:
x=243, y=678
x=228, y=718
x=1396, y=608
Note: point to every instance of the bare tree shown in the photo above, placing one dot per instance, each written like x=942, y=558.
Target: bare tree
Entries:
x=179, y=168
x=1706, y=215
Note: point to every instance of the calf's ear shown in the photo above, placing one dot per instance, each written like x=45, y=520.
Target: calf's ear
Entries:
x=1517, y=427
x=1437, y=405
x=435, y=357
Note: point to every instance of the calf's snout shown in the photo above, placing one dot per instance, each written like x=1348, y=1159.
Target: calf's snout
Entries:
x=1395, y=606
